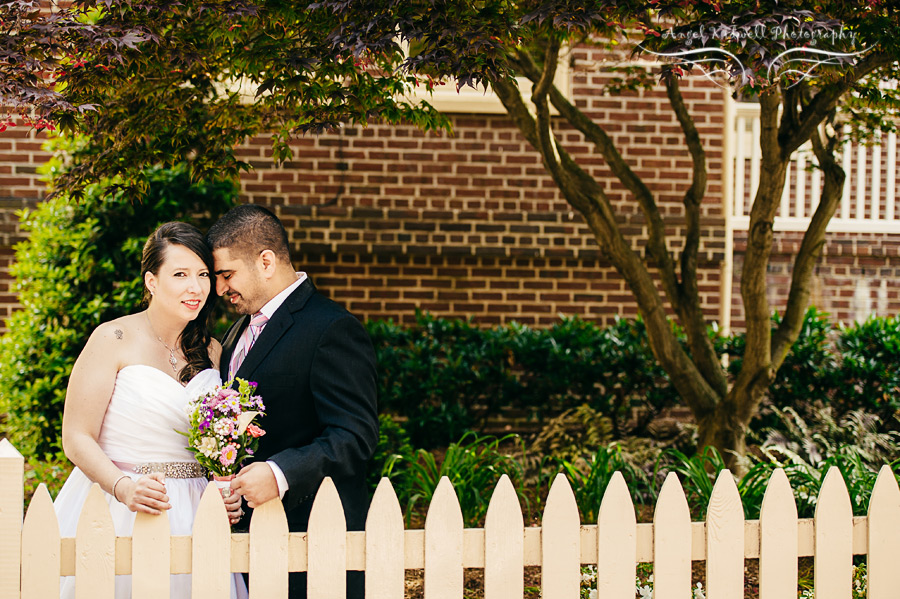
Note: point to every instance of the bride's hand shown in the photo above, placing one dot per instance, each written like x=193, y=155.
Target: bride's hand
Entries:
x=233, y=507
x=146, y=494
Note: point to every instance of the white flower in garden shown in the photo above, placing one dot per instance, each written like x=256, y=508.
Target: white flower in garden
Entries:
x=646, y=591
x=698, y=592
x=592, y=594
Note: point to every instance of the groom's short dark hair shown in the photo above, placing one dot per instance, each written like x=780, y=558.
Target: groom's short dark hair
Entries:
x=247, y=230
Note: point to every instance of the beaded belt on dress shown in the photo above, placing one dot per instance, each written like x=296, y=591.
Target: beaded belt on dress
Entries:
x=170, y=469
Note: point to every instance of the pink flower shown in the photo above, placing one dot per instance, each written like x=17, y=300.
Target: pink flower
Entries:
x=226, y=393
x=255, y=431
x=229, y=455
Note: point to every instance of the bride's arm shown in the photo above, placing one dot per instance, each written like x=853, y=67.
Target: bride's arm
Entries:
x=87, y=397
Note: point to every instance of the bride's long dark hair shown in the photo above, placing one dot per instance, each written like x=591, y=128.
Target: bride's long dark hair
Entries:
x=195, y=337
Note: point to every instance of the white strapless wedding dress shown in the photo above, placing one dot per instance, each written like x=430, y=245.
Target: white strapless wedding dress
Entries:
x=146, y=408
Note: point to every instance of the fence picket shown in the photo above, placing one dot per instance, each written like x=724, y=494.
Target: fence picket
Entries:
x=40, y=548
x=778, y=545
x=833, y=539
x=211, y=547
x=616, y=541
x=385, y=575
x=269, y=551
x=444, y=544
x=95, y=549
x=561, y=543
x=12, y=502
x=884, y=537
x=504, y=544
x=151, y=557
x=725, y=540
x=327, y=542
x=671, y=542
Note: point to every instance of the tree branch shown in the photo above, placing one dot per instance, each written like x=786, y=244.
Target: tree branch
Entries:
x=810, y=250
x=690, y=311
x=756, y=371
x=583, y=192
x=656, y=243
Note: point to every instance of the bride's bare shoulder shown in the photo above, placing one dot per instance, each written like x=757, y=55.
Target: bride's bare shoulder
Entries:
x=121, y=331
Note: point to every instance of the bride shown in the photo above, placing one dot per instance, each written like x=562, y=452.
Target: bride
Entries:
x=127, y=395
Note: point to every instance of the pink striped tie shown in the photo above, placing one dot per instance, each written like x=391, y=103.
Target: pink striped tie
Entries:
x=248, y=338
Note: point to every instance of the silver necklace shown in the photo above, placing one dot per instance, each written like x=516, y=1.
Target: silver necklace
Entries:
x=172, y=359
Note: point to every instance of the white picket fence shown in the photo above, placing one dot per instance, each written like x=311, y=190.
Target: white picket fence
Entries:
x=870, y=198
x=32, y=554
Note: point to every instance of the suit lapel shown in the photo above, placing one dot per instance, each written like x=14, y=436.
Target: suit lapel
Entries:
x=281, y=321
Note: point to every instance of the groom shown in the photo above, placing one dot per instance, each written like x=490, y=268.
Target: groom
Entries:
x=315, y=367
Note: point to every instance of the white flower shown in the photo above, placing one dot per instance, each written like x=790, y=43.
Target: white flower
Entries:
x=592, y=594
x=209, y=447
x=646, y=591
x=698, y=592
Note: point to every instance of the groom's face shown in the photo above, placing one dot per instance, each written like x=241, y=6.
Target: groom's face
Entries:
x=239, y=282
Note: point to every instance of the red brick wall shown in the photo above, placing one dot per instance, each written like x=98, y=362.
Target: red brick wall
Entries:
x=388, y=220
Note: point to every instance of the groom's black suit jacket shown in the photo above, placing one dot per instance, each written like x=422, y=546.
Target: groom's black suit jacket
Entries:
x=315, y=368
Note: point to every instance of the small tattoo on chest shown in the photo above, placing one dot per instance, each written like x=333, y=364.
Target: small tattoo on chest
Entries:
x=118, y=333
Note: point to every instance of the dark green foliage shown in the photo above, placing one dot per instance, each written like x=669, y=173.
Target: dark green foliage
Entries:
x=80, y=266
x=870, y=366
x=697, y=474
x=446, y=376
x=474, y=465
x=848, y=368
x=393, y=449
x=436, y=374
x=591, y=474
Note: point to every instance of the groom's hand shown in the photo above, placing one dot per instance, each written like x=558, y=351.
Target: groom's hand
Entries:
x=256, y=483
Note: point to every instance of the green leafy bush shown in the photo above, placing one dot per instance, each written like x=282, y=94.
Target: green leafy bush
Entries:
x=80, y=266
x=447, y=376
x=870, y=370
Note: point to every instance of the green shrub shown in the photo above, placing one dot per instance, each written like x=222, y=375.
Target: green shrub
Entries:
x=448, y=376
x=51, y=470
x=869, y=367
x=80, y=266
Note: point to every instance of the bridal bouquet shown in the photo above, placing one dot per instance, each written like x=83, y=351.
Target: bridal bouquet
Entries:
x=222, y=434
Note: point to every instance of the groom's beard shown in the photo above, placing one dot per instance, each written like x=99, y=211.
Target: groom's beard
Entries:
x=238, y=303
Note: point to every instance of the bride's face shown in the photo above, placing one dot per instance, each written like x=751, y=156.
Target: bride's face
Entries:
x=182, y=284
